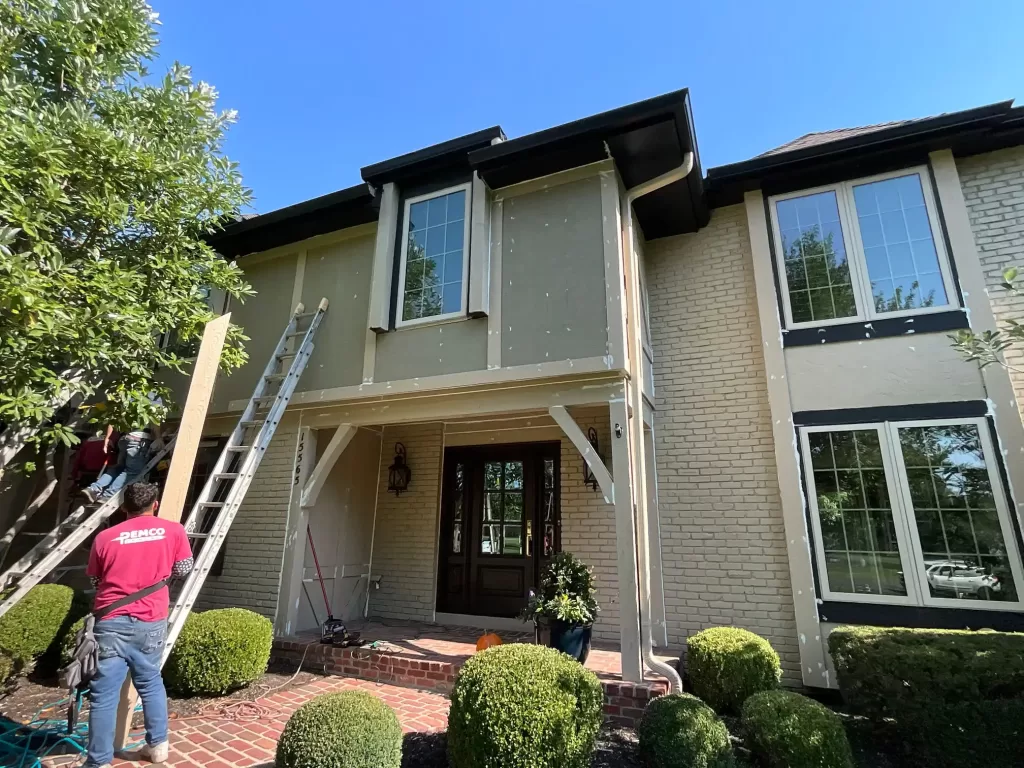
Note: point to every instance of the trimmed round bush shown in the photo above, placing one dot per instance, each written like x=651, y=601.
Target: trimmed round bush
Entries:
x=218, y=651
x=352, y=729
x=727, y=665
x=786, y=729
x=42, y=616
x=681, y=731
x=7, y=667
x=524, y=706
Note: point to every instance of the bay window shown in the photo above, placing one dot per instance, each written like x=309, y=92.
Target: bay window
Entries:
x=912, y=513
x=861, y=250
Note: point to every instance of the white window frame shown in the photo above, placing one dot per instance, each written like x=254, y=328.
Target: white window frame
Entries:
x=907, y=536
x=863, y=297
x=447, y=317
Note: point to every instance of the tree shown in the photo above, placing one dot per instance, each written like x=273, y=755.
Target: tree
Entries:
x=109, y=183
x=989, y=347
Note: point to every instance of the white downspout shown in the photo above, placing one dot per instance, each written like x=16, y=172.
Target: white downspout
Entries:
x=637, y=427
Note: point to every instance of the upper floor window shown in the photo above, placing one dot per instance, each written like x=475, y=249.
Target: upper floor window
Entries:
x=911, y=512
x=434, y=266
x=861, y=250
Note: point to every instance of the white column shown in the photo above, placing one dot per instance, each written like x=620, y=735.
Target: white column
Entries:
x=659, y=626
x=295, y=535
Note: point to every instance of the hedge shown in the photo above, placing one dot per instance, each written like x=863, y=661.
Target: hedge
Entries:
x=37, y=621
x=726, y=665
x=218, y=651
x=681, y=731
x=352, y=729
x=956, y=695
x=7, y=668
x=523, y=706
x=785, y=729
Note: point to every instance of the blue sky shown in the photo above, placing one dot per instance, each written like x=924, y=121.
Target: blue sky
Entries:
x=323, y=88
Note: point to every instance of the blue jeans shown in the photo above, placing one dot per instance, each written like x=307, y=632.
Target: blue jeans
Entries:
x=126, y=644
x=132, y=457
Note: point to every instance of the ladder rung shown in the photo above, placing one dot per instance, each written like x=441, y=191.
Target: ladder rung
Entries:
x=252, y=422
x=211, y=503
x=226, y=476
x=293, y=334
x=283, y=355
x=301, y=315
x=275, y=376
x=237, y=448
x=199, y=535
x=261, y=398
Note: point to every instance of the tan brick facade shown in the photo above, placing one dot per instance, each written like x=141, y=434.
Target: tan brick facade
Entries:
x=993, y=185
x=723, y=540
x=255, y=545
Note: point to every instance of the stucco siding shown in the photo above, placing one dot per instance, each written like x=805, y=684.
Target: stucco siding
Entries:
x=993, y=186
x=723, y=540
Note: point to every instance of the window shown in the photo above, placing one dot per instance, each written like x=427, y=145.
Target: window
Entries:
x=434, y=263
x=911, y=512
x=502, y=531
x=861, y=250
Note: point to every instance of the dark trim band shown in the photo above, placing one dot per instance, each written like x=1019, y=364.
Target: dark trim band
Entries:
x=960, y=409
x=936, y=322
x=919, y=617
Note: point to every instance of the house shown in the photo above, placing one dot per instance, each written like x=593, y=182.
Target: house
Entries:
x=732, y=394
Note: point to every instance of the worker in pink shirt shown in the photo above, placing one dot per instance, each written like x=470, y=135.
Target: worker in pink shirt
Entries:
x=131, y=563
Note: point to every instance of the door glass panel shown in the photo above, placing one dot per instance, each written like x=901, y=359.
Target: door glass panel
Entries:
x=457, y=516
x=492, y=505
x=512, y=542
x=965, y=555
x=492, y=475
x=513, y=475
x=513, y=507
x=490, y=535
x=857, y=529
x=549, y=474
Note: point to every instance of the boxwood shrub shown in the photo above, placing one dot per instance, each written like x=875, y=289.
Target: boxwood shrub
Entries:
x=523, y=706
x=726, y=665
x=957, y=695
x=7, y=668
x=786, y=729
x=352, y=729
x=681, y=731
x=37, y=621
x=218, y=651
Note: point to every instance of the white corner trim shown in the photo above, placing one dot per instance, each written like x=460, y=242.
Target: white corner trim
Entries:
x=614, y=275
x=813, y=667
x=577, y=438
x=384, y=259
x=480, y=249
x=339, y=442
x=494, y=314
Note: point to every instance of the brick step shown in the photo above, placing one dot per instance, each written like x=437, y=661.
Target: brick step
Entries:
x=623, y=702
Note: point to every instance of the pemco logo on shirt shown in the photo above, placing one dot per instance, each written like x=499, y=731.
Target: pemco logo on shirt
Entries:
x=141, y=535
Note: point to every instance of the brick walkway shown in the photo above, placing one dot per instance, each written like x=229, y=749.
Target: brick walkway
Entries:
x=212, y=742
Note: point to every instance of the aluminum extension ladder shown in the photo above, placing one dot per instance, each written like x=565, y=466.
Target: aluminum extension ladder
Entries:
x=215, y=509
x=211, y=517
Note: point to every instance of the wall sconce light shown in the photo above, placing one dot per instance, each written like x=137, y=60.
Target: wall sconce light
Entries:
x=399, y=472
x=588, y=475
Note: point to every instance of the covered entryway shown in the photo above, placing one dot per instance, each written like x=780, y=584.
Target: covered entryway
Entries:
x=500, y=525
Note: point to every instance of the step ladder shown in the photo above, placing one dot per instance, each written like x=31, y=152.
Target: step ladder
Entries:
x=215, y=509
x=70, y=534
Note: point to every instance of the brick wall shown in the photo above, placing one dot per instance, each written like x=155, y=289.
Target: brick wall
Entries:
x=588, y=523
x=723, y=540
x=404, y=547
x=254, y=547
x=993, y=185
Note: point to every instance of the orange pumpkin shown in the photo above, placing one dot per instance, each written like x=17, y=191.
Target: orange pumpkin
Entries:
x=486, y=641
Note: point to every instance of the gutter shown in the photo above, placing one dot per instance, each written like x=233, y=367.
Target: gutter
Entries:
x=637, y=425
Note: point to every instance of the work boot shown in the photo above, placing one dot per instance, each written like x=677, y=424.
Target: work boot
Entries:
x=155, y=753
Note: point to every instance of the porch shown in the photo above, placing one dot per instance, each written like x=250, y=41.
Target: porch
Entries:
x=429, y=656
x=498, y=485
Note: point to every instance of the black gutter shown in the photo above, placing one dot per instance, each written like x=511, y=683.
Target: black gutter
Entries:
x=430, y=159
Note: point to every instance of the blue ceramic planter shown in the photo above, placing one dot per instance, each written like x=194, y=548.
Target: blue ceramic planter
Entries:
x=571, y=639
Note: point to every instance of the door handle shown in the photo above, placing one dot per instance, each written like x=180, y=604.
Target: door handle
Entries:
x=529, y=538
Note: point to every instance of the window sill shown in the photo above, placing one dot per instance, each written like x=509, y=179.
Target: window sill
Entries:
x=427, y=322
x=921, y=617
x=930, y=322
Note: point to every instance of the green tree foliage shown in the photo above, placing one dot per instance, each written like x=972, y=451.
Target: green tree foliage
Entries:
x=988, y=347
x=109, y=181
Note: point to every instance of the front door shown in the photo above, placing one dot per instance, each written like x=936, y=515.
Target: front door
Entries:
x=499, y=526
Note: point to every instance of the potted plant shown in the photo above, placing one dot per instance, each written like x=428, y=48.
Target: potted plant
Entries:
x=565, y=605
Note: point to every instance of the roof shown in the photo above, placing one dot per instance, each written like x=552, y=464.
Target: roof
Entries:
x=824, y=137
x=830, y=156
x=646, y=139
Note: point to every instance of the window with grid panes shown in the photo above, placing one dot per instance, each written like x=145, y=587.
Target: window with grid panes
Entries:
x=501, y=531
x=434, y=261
x=861, y=250
x=911, y=512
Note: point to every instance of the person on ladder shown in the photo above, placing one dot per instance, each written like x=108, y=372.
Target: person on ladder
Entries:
x=133, y=561
x=133, y=451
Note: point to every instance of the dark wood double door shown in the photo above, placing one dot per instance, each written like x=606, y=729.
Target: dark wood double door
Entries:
x=500, y=525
